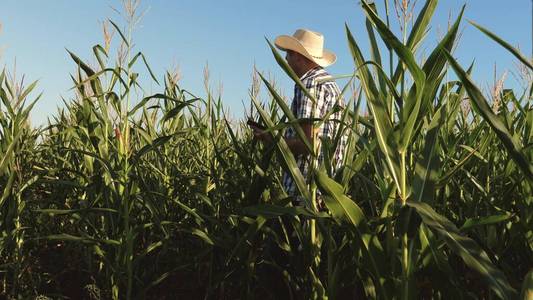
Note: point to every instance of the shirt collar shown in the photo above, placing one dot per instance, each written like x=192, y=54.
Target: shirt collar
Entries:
x=310, y=72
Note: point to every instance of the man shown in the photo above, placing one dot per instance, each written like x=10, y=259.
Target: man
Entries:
x=306, y=55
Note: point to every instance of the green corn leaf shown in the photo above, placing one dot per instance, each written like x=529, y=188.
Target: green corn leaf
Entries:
x=433, y=246
x=134, y=59
x=410, y=116
x=7, y=103
x=8, y=188
x=382, y=122
x=176, y=110
x=287, y=111
x=364, y=74
x=374, y=50
x=403, y=52
x=406, y=56
x=252, y=230
x=85, y=240
x=527, y=287
x=478, y=100
x=417, y=32
x=158, y=142
x=143, y=102
x=504, y=44
x=258, y=184
x=203, y=236
x=6, y=156
x=339, y=204
x=147, y=250
x=344, y=126
x=289, y=71
x=90, y=72
x=2, y=77
x=386, y=81
x=105, y=163
x=344, y=208
x=434, y=65
x=66, y=237
x=98, y=50
x=51, y=211
x=426, y=168
x=437, y=59
x=124, y=39
x=474, y=222
x=93, y=77
x=164, y=276
x=288, y=157
x=475, y=257
x=443, y=180
x=28, y=90
x=235, y=142
x=421, y=24
x=269, y=211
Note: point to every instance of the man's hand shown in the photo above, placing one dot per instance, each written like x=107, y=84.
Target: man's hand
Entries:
x=295, y=144
x=261, y=134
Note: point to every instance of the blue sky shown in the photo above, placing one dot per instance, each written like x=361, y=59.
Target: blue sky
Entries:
x=230, y=36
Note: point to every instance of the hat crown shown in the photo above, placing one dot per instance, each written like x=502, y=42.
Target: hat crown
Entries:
x=311, y=40
x=309, y=44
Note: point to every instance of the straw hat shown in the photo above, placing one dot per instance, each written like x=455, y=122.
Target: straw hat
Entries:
x=309, y=44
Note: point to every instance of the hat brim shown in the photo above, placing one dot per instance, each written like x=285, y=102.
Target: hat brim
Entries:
x=287, y=42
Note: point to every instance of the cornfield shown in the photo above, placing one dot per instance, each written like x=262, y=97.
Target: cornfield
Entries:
x=129, y=195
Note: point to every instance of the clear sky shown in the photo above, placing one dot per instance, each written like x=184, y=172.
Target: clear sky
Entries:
x=230, y=36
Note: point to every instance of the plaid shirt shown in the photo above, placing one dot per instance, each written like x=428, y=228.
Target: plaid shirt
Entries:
x=326, y=93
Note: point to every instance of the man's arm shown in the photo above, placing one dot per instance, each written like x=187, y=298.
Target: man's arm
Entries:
x=296, y=145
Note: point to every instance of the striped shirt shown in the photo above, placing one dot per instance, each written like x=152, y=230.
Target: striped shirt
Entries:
x=326, y=93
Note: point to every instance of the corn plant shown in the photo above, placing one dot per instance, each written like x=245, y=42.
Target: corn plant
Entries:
x=17, y=143
x=125, y=194
x=401, y=236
